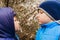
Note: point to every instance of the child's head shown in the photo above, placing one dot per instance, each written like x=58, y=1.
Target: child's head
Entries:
x=43, y=17
x=49, y=11
x=6, y=22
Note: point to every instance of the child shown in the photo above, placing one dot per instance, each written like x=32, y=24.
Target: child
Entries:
x=48, y=16
x=7, y=22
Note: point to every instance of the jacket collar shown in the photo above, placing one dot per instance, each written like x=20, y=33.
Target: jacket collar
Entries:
x=49, y=25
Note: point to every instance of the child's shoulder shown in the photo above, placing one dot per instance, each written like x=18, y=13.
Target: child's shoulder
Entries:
x=57, y=28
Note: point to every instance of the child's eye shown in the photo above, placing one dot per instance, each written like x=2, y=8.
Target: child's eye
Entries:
x=40, y=11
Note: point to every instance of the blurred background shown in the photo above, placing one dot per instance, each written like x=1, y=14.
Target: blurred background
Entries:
x=25, y=10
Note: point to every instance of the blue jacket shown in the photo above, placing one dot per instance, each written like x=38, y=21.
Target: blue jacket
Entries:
x=49, y=31
x=7, y=30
